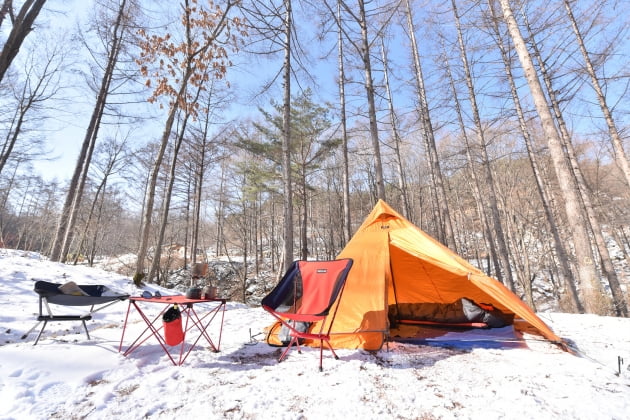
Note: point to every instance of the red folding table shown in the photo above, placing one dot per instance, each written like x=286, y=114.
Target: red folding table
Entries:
x=195, y=327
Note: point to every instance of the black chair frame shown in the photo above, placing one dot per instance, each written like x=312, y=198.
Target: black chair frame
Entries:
x=49, y=293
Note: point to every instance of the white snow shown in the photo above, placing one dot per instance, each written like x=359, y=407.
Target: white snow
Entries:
x=66, y=376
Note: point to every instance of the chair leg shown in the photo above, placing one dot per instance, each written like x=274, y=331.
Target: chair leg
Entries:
x=26, y=334
x=295, y=342
x=284, y=353
x=331, y=349
x=45, y=321
x=40, y=332
x=86, y=330
x=321, y=355
x=321, y=352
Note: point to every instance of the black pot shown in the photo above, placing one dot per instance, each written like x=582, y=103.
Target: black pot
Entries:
x=193, y=293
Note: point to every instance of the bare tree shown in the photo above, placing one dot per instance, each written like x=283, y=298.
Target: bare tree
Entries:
x=203, y=151
x=564, y=269
x=474, y=180
x=347, y=217
x=393, y=121
x=22, y=25
x=580, y=183
x=200, y=55
x=166, y=202
x=363, y=48
x=620, y=154
x=114, y=40
x=495, y=216
x=40, y=84
x=590, y=288
x=114, y=157
x=441, y=208
x=286, y=138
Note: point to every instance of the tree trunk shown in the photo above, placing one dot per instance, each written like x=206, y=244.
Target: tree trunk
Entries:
x=149, y=199
x=563, y=268
x=437, y=185
x=22, y=26
x=166, y=204
x=196, y=208
x=94, y=242
x=347, y=218
x=589, y=280
x=487, y=170
x=402, y=185
x=620, y=155
x=258, y=243
x=286, y=141
x=187, y=221
x=622, y=239
x=220, y=213
x=67, y=218
x=200, y=169
x=101, y=188
x=607, y=267
x=369, y=88
x=15, y=130
x=474, y=179
x=304, y=215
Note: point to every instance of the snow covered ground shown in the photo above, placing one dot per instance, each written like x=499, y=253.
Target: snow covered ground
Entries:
x=68, y=377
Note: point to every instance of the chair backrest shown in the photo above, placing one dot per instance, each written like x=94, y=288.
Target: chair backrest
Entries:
x=308, y=289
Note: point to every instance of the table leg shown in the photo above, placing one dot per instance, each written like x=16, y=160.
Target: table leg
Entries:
x=192, y=321
x=198, y=322
x=155, y=332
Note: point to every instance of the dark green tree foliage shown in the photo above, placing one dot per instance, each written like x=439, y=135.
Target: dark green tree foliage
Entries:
x=312, y=142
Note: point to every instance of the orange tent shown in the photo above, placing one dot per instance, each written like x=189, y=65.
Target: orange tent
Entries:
x=396, y=262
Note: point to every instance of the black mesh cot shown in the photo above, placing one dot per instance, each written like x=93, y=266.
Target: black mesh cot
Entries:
x=98, y=297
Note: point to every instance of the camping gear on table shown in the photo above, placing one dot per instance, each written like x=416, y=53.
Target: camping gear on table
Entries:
x=396, y=263
x=71, y=294
x=307, y=293
x=172, y=323
x=209, y=292
x=193, y=293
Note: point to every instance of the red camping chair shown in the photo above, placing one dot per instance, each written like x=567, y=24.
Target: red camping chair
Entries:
x=306, y=293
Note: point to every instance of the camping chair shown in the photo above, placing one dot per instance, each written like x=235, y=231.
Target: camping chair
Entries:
x=306, y=293
x=71, y=294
